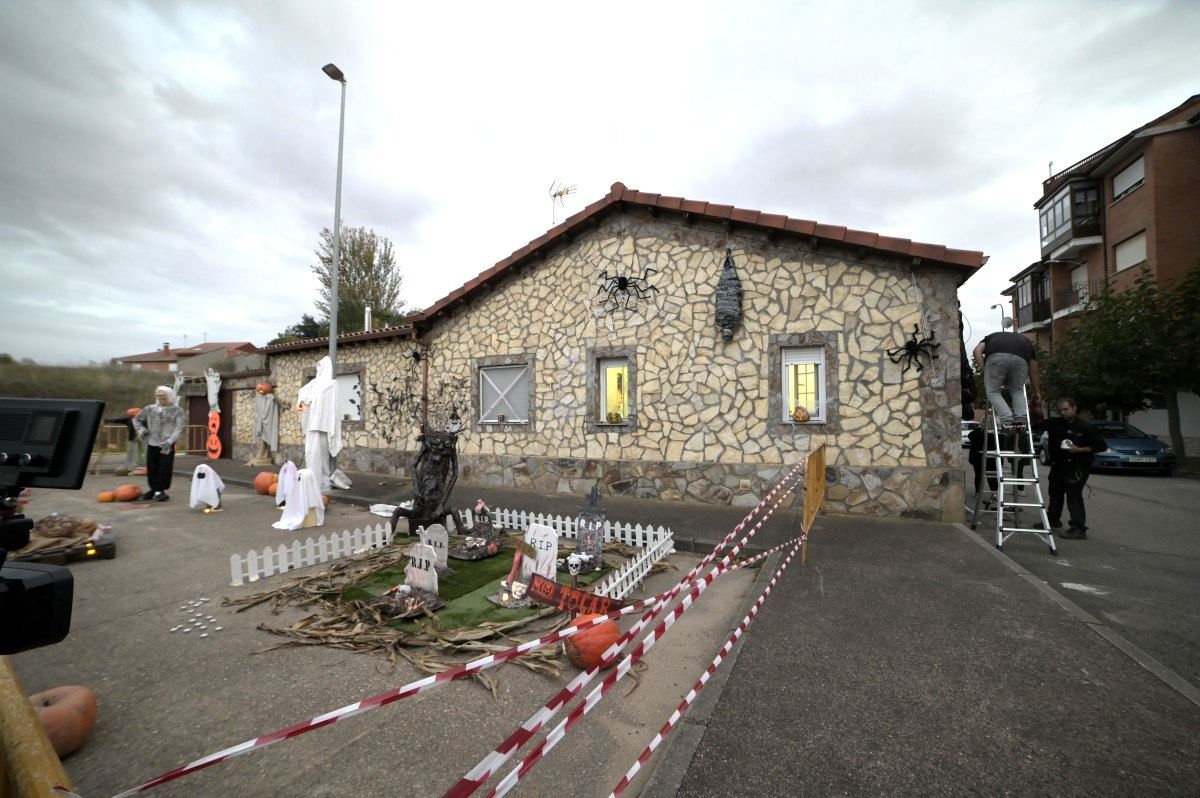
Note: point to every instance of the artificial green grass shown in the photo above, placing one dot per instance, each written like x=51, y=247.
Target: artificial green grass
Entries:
x=465, y=591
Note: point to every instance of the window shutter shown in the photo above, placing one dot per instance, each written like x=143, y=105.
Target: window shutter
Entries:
x=349, y=397
x=508, y=396
x=1129, y=177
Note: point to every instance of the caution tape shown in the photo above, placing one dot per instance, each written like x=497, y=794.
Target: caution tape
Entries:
x=656, y=603
x=706, y=675
x=490, y=764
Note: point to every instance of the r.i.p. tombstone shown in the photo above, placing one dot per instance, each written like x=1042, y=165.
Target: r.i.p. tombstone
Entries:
x=421, y=572
x=437, y=538
x=544, y=541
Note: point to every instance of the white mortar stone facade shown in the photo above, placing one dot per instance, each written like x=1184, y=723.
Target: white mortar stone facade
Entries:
x=706, y=417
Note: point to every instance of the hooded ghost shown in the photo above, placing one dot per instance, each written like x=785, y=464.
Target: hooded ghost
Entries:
x=206, y=487
x=287, y=478
x=303, y=497
x=322, y=424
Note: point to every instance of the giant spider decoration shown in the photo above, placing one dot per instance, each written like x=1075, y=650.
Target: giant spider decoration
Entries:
x=621, y=285
x=912, y=350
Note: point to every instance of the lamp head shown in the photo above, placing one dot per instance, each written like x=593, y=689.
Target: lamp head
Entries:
x=334, y=73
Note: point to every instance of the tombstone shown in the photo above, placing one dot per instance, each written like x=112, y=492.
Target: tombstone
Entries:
x=544, y=541
x=437, y=538
x=421, y=572
x=480, y=540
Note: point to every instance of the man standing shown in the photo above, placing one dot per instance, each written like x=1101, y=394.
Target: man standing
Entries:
x=1008, y=359
x=160, y=424
x=1071, y=444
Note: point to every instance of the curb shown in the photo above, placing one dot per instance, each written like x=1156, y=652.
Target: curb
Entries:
x=675, y=757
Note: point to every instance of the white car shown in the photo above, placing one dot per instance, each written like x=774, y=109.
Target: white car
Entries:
x=965, y=430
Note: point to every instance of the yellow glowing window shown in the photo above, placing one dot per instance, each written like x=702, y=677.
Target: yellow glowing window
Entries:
x=802, y=368
x=614, y=390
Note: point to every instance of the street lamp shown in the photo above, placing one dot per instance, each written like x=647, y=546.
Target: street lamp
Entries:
x=336, y=74
x=1005, y=321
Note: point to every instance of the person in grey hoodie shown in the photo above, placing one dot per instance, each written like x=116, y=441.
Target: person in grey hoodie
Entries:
x=159, y=425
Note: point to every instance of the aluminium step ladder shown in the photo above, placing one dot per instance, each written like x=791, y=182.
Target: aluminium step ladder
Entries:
x=1007, y=457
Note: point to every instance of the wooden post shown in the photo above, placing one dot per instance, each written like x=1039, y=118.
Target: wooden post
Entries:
x=28, y=764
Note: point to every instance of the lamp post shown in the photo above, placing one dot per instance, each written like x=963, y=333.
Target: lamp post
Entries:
x=336, y=74
x=1004, y=320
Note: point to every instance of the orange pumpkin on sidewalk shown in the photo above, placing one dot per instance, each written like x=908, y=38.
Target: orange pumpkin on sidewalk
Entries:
x=585, y=648
x=68, y=715
x=127, y=493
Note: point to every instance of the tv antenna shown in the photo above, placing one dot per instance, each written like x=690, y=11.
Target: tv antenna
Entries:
x=558, y=192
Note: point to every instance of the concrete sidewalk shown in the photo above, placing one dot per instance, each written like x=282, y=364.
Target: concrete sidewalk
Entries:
x=905, y=658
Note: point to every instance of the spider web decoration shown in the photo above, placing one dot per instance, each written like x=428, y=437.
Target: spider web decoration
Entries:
x=912, y=350
x=623, y=296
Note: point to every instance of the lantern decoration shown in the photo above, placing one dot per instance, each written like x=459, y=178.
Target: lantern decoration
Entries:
x=729, y=299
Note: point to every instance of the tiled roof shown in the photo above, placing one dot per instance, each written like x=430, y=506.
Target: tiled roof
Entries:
x=399, y=331
x=619, y=195
x=969, y=261
x=171, y=355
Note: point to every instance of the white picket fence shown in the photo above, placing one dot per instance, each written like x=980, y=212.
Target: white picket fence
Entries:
x=283, y=558
x=655, y=543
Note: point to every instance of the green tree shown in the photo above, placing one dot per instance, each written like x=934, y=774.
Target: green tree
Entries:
x=306, y=328
x=367, y=278
x=1133, y=350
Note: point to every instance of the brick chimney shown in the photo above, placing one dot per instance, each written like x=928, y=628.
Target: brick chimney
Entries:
x=166, y=346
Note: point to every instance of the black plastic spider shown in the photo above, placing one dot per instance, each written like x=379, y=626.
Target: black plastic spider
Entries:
x=620, y=285
x=913, y=349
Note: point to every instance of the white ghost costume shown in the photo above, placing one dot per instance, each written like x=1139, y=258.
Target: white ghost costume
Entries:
x=322, y=424
x=287, y=480
x=206, y=487
x=303, y=497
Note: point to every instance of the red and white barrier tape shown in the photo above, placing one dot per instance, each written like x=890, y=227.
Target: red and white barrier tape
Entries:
x=706, y=675
x=469, y=669
x=490, y=764
x=623, y=667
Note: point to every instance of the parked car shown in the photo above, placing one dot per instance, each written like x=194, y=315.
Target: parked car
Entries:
x=965, y=429
x=1130, y=449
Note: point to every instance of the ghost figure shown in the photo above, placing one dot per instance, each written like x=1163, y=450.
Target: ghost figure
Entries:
x=318, y=407
x=206, y=488
x=305, y=506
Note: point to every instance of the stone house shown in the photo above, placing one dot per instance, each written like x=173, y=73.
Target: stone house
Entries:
x=593, y=354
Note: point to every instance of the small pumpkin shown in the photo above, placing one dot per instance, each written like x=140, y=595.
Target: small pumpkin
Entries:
x=264, y=388
x=67, y=714
x=133, y=412
x=127, y=493
x=586, y=648
x=273, y=489
x=105, y=496
x=263, y=481
x=800, y=415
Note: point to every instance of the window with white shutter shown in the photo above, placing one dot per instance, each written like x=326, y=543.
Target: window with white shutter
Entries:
x=504, y=394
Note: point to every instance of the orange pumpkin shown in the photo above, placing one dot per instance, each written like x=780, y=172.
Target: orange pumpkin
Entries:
x=264, y=387
x=585, y=648
x=106, y=496
x=263, y=481
x=133, y=412
x=67, y=714
x=127, y=493
x=274, y=489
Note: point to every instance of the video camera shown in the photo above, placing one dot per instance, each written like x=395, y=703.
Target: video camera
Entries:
x=44, y=443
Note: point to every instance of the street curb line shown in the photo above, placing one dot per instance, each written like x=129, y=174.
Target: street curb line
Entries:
x=1169, y=677
x=675, y=758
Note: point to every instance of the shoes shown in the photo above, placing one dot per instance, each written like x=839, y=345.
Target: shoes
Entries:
x=1073, y=533
x=148, y=495
x=161, y=496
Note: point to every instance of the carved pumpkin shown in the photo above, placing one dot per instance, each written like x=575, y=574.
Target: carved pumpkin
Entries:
x=264, y=387
x=67, y=714
x=800, y=415
x=264, y=480
x=585, y=648
x=106, y=496
x=273, y=489
x=127, y=493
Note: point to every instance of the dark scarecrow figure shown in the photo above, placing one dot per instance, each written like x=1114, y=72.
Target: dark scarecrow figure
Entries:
x=434, y=473
x=912, y=350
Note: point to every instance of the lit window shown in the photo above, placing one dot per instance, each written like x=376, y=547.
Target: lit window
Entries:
x=614, y=390
x=803, y=376
x=504, y=394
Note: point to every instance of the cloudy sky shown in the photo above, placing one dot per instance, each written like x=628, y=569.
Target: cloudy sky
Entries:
x=167, y=166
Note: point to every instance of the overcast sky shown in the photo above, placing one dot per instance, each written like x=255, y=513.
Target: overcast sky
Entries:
x=167, y=166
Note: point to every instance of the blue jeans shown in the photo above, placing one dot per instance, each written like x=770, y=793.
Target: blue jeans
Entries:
x=1002, y=370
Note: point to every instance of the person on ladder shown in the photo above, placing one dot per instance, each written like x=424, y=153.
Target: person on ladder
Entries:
x=1008, y=359
x=1071, y=443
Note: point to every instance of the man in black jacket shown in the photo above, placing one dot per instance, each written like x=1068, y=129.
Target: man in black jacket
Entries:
x=1071, y=444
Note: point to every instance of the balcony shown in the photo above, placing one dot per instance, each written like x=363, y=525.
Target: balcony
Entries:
x=1080, y=234
x=1034, y=315
x=1073, y=299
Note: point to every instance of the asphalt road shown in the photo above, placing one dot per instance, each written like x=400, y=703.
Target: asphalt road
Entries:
x=1139, y=569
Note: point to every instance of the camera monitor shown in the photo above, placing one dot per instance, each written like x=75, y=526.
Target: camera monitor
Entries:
x=46, y=443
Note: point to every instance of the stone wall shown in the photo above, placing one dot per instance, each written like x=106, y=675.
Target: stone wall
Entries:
x=707, y=422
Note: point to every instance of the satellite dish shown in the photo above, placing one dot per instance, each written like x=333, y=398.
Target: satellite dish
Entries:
x=1006, y=322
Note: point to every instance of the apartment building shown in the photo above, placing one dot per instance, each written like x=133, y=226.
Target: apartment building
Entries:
x=1134, y=203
